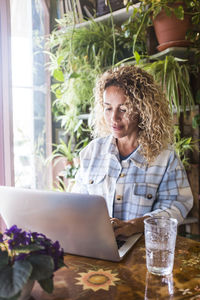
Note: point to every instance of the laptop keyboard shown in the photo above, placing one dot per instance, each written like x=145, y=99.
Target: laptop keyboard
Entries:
x=120, y=243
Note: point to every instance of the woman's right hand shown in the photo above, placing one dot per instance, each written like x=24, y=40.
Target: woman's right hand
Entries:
x=128, y=228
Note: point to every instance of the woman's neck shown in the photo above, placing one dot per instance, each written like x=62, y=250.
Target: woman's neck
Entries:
x=126, y=147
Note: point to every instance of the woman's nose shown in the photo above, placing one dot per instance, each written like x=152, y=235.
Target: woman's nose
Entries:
x=114, y=116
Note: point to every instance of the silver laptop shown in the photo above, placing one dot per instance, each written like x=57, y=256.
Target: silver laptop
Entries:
x=80, y=222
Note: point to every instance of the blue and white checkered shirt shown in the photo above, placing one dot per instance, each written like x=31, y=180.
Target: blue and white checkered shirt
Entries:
x=131, y=188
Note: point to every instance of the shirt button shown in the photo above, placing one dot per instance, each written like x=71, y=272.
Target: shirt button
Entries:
x=119, y=197
x=149, y=196
x=122, y=175
x=91, y=181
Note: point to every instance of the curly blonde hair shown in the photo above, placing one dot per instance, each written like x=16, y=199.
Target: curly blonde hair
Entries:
x=144, y=96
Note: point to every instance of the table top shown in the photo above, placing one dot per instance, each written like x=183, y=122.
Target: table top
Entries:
x=92, y=279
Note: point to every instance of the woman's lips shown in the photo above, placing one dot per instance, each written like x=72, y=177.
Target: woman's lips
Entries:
x=117, y=128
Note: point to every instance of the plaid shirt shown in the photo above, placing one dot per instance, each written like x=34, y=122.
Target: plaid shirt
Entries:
x=131, y=188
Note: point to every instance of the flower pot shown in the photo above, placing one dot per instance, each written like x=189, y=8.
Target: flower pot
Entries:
x=170, y=31
x=26, y=291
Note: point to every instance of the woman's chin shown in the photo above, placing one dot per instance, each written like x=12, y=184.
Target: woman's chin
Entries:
x=117, y=135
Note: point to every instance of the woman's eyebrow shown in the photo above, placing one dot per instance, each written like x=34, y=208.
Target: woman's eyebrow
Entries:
x=107, y=103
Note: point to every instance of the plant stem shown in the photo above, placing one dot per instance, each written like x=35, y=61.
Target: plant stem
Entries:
x=113, y=34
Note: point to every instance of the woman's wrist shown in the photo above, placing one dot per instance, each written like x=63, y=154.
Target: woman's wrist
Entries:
x=138, y=224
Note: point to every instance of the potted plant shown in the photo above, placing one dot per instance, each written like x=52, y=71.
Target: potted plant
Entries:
x=65, y=163
x=26, y=257
x=182, y=12
x=184, y=146
x=172, y=74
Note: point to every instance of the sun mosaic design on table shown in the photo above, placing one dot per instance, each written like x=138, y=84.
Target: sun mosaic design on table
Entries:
x=96, y=280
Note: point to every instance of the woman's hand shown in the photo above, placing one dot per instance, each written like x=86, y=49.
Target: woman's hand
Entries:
x=127, y=228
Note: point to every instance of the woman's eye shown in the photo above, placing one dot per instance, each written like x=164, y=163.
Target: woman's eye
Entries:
x=107, y=108
x=122, y=110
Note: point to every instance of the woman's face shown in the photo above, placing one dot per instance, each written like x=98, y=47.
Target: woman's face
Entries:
x=120, y=124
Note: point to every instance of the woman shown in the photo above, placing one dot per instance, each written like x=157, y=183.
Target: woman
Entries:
x=132, y=163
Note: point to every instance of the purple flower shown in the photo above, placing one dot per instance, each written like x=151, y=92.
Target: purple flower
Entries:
x=1, y=238
x=17, y=237
x=36, y=235
x=57, y=253
x=12, y=244
x=51, y=249
x=13, y=230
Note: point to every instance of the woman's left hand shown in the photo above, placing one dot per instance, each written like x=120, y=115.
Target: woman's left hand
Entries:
x=127, y=228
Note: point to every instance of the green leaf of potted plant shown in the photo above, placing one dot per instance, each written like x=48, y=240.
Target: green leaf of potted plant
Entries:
x=172, y=74
x=184, y=146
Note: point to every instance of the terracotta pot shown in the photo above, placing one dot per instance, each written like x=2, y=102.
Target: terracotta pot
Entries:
x=170, y=31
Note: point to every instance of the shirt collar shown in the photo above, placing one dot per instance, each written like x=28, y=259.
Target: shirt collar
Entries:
x=136, y=157
x=111, y=146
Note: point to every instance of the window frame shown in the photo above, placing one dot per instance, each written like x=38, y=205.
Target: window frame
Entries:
x=6, y=117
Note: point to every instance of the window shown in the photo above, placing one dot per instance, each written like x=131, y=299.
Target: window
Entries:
x=30, y=107
x=30, y=93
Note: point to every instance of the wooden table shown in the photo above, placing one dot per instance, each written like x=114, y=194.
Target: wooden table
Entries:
x=92, y=279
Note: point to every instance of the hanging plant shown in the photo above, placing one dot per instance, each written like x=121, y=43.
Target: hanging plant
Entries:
x=172, y=74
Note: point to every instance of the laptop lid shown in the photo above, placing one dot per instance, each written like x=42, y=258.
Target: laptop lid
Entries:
x=80, y=222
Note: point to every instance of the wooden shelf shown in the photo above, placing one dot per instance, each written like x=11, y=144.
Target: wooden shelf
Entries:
x=180, y=52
